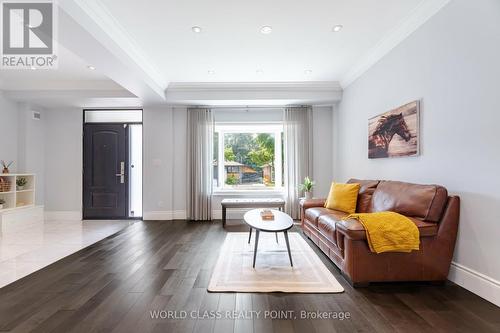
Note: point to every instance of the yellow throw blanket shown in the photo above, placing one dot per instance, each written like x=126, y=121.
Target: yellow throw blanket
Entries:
x=389, y=231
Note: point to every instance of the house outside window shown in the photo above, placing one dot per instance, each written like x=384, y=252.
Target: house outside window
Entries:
x=252, y=156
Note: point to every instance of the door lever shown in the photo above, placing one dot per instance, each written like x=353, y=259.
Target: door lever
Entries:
x=122, y=173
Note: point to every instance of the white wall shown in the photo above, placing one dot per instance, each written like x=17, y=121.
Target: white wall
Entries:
x=322, y=150
x=31, y=146
x=164, y=162
x=8, y=133
x=165, y=157
x=452, y=65
x=63, y=162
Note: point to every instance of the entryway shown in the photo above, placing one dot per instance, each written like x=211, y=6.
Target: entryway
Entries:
x=112, y=164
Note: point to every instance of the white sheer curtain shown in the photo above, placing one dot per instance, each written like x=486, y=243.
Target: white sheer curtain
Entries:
x=298, y=154
x=200, y=163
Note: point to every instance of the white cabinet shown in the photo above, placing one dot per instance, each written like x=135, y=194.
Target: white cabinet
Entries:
x=15, y=197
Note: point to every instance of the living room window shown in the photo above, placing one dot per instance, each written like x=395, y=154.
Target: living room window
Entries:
x=251, y=155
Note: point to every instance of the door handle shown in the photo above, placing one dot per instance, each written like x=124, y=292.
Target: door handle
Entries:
x=122, y=173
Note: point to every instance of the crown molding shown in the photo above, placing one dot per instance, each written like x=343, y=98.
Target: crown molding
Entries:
x=407, y=26
x=333, y=86
x=254, y=93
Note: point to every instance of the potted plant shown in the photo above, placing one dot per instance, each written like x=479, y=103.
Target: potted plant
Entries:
x=21, y=183
x=2, y=202
x=307, y=187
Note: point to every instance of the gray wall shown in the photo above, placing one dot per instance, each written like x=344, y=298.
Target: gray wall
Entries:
x=322, y=150
x=452, y=65
x=31, y=146
x=165, y=157
x=22, y=141
x=8, y=133
x=63, y=160
x=165, y=160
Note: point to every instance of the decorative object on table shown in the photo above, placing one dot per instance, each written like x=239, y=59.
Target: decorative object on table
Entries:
x=2, y=202
x=6, y=166
x=307, y=187
x=21, y=182
x=395, y=133
x=267, y=215
x=4, y=184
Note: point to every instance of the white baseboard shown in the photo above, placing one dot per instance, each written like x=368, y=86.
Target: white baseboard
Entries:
x=478, y=283
x=165, y=215
x=63, y=215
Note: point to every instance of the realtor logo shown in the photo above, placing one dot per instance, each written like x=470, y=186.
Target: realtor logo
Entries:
x=28, y=34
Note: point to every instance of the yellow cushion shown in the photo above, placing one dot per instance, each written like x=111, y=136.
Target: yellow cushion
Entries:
x=343, y=197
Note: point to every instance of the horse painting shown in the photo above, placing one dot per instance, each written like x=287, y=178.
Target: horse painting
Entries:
x=394, y=133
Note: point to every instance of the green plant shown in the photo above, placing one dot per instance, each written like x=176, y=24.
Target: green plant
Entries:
x=231, y=180
x=21, y=181
x=229, y=155
x=307, y=185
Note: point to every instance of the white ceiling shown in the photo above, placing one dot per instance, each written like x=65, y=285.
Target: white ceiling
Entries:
x=71, y=73
x=146, y=53
x=231, y=43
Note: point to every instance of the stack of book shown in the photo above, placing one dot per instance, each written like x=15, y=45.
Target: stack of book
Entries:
x=267, y=215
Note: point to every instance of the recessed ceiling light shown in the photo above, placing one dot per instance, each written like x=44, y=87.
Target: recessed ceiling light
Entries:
x=259, y=71
x=196, y=29
x=308, y=71
x=337, y=28
x=211, y=72
x=92, y=68
x=266, y=29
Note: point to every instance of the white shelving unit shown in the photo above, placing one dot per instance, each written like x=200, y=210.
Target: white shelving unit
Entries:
x=14, y=197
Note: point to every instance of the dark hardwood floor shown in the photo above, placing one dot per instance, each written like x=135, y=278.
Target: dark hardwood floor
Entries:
x=113, y=285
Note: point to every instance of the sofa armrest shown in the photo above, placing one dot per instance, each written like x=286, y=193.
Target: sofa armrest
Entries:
x=351, y=229
x=310, y=203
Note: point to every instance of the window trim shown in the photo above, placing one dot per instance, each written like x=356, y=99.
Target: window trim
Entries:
x=275, y=128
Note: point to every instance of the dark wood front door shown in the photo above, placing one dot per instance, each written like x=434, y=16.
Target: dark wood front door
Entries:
x=105, y=178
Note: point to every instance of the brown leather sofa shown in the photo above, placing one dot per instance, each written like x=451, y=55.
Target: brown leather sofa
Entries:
x=431, y=209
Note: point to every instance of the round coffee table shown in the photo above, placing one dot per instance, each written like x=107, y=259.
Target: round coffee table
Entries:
x=282, y=223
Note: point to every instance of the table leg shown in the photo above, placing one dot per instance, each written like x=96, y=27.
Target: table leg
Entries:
x=256, y=244
x=288, y=247
x=250, y=235
x=223, y=216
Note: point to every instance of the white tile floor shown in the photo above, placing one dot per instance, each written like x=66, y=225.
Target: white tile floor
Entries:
x=26, y=251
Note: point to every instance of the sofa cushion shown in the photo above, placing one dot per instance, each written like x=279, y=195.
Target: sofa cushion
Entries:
x=326, y=224
x=422, y=201
x=312, y=214
x=343, y=197
x=426, y=229
x=365, y=193
x=354, y=229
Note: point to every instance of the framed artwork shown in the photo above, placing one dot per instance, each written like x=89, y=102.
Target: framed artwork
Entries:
x=395, y=133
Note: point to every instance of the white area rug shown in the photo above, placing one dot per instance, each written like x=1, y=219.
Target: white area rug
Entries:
x=273, y=273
